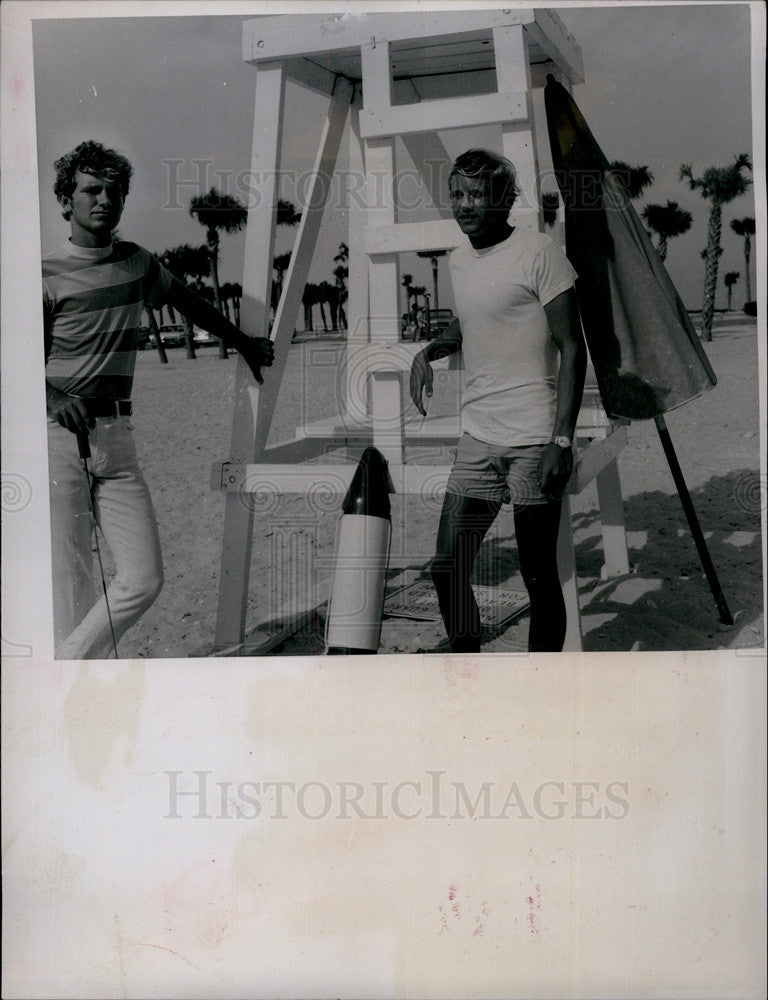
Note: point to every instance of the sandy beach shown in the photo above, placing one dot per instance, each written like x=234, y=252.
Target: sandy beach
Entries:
x=182, y=414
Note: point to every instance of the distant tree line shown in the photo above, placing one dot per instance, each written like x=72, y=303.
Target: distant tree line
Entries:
x=221, y=213
x=718, y=186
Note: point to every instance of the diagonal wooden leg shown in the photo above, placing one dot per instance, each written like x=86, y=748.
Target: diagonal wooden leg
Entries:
x=254, y=320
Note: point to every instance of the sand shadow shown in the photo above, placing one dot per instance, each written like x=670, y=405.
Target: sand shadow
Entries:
x=666, y=602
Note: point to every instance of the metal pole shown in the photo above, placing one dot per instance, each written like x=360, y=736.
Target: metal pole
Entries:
x=85, y=453
x=685, y=499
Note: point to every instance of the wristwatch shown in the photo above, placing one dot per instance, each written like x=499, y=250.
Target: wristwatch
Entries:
x=561, y=442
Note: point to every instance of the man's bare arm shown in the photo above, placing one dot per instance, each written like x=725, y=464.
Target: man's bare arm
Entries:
x=563, y=318
x=258, y=352
x=449, y=342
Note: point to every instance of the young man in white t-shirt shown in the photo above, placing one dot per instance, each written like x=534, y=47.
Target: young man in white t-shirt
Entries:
x=516, y=312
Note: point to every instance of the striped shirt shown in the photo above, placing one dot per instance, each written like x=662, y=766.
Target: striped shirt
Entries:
x=93, y=298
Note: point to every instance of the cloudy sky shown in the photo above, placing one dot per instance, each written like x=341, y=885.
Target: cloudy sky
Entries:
x=665, y=85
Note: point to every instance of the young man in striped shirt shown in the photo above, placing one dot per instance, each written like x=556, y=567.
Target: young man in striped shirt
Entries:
x=94, y=291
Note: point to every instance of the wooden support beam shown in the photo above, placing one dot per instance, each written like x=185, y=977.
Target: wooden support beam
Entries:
x=384, y=286
x=298, y=269
x=386, y=389
x=387, y=413
x=330, y=479
x=429, y=430
x=410, y=237
x=591, y=459
x=590, y=462
x=358, y=308
x=432, y=116
x=432, y=160
x=389, y=356
x=596, y=457
x=298, y=449
x=254, y=320
x=551, y=35
x=612, y=524
x=517, y=138
x=275, y=37
x=312, y=75
x=275, y=478
x=377, y=75
x=383, y=274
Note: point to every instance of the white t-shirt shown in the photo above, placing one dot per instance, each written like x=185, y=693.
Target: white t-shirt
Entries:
x=510, y=358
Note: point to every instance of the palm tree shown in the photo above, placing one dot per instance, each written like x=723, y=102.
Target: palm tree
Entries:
x=434, y=256
x=216, y=211
x=719, y=185
x=186, y=262
x=230, y=293
x=745, y=228
x=416, y=291
x=328, y=295
x=340, y=274
x=308, y=300
x=634, y=180
x=730, y=278
x=667, y=221
x=287, y=213
x=407, y=282
x=156, y=334
x=280, y=264
x=204, y=291
x=237, y=294
x=550, y=202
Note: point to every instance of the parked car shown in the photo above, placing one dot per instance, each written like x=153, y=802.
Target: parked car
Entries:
x=202, y=338
x=410, y=328
x=172, y=336
x=439, y=319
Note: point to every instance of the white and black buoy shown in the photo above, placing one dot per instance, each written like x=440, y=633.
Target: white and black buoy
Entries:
x=356, y=603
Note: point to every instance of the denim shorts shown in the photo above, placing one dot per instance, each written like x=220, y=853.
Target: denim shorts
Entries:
x=493, y=472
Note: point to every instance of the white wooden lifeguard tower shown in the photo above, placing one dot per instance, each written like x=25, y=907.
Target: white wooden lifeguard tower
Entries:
x=378, y=70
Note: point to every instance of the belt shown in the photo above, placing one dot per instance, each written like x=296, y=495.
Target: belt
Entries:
x=108, y=407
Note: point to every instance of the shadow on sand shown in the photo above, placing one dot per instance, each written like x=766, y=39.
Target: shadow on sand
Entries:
x=665, y=602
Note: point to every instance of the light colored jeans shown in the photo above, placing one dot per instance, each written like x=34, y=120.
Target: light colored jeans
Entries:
x=126, y=517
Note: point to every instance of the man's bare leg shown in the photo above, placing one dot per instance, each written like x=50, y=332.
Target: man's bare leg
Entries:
x=464, y=523
x=536, y=527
